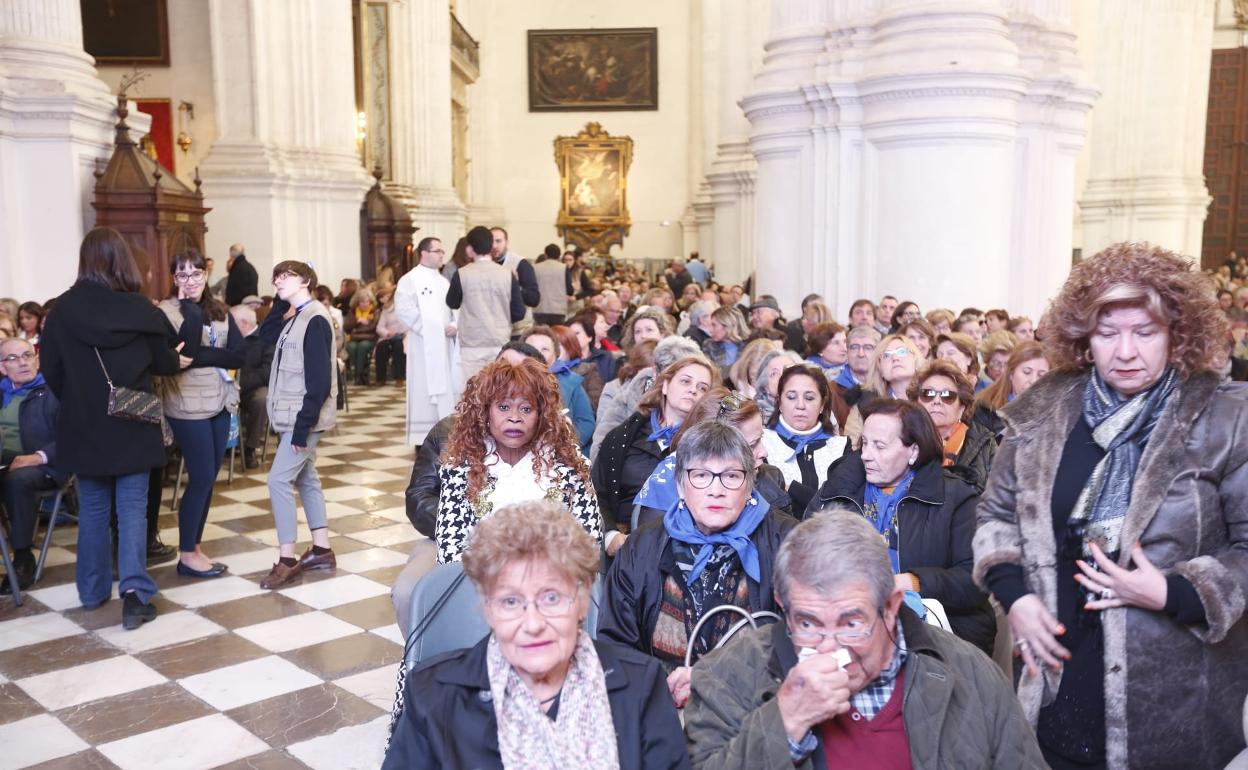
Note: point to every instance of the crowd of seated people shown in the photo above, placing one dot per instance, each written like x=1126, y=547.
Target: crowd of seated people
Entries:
x=741, y=541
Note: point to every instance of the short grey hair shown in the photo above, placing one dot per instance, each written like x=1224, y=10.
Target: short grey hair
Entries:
x=10, y=340
x=237, y=250
x=671, y=349
x=699, y=310
x=713, y=440
x=863, y=331
x=831, y=550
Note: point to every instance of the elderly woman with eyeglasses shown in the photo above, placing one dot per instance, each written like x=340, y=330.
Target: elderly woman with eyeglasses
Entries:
x=926, y=514
x=537, y=692
x=946, y=394
x=714, y=546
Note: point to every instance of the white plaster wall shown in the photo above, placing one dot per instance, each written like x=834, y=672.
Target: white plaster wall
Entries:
x=516, y=153
x=188, y=78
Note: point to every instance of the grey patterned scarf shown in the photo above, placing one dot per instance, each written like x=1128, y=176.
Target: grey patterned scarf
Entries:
x=1120, y=426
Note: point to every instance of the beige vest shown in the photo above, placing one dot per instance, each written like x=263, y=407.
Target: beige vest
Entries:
x=201, y=392
x=286, y=384
x=553, y=283
x=485, y=315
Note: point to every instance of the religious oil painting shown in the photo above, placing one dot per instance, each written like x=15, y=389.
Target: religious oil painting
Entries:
x=593, y=69
x=593, y=181
x=126, y=31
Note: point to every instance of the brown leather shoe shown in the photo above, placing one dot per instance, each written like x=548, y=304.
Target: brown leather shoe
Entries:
x=280, y=575
x=310, y=560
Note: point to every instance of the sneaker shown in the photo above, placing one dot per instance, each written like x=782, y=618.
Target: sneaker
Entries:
x=280, y=575
x=310, y=560
x=134, y=612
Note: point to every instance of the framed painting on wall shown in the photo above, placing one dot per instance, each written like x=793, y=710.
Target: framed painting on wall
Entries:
x=593, y=69
x=593, y=182
x=126, y=31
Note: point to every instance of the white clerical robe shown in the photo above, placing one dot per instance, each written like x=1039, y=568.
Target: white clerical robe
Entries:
x=434, y=377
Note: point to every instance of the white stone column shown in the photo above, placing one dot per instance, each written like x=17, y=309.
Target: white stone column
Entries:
x=421, y=94
x=732, y=174
x=56, y=120
x=284, y=176
x=1146, y=175
x=923, y=148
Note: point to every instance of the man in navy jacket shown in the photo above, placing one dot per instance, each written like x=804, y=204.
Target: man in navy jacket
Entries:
x=28, y=412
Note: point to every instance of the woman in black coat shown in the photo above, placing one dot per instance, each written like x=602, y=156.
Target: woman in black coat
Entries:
x=926, y=513
x=631, y=451
x=104, y=324
x=715, y=545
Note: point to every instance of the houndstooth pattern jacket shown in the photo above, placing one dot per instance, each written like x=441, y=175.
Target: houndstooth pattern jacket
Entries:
x=457, y=515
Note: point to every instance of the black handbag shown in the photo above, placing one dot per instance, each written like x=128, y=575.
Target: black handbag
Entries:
x=129, y=403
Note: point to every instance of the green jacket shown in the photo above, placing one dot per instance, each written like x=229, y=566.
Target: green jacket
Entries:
x=959, y=709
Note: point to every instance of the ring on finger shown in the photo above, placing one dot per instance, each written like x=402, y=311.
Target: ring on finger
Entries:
x=1022, y=644
x=1108, y=593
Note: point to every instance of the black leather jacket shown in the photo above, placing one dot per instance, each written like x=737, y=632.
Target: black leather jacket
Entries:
x=422, y=490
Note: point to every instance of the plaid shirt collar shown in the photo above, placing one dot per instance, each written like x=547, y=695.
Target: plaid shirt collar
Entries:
x=872, y=698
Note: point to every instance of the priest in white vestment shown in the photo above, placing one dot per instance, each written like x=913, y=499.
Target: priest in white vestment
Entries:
x=434, y=377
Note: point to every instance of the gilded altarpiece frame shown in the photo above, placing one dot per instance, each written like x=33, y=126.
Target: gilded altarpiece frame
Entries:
x=593, y=180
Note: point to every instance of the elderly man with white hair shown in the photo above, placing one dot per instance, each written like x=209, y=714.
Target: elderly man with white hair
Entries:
x=28, y=412
x=851, y=677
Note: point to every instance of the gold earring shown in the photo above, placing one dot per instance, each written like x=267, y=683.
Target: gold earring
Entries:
x=1087, y=355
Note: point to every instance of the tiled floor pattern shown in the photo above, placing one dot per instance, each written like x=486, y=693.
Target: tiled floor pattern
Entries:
x=228, y=675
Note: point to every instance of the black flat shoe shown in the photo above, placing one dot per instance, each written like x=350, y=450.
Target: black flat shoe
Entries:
x=134, y=612
x=215, y=570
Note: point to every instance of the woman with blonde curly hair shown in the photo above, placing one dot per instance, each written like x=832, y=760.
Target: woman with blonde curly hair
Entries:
x=649, y=324
x=1114, y=529
x=511, y=444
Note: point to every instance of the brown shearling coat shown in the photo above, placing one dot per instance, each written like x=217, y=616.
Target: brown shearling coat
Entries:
x=1173, y=694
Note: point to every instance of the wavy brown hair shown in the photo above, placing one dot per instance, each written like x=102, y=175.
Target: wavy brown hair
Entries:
x=1136, y=275
x=998, y=394
x=553, y=440
x=654, y=398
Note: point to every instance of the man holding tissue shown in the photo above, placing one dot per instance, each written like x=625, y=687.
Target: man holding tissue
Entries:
x=851, y=678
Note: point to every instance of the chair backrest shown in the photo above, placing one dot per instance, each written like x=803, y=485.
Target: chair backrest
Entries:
x=936, y=614
x=446, y=613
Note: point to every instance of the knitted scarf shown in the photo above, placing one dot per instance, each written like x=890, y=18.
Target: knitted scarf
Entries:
x=1121, y=426
x=582, y=734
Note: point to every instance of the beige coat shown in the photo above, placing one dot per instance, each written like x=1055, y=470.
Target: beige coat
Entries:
x=1173, y=694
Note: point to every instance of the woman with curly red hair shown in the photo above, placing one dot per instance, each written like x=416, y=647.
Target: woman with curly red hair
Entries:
x=1114, y=529
x=511, y=444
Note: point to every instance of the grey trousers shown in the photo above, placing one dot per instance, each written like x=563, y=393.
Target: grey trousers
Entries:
x=423, y=558
x=293, y=470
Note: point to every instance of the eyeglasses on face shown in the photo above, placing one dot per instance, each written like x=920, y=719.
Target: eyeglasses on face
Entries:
x=701, y=478
x=896, y=353
x=192, y=277
x=13, y=358
x=858, y=348
x=947, y=397
x=807, y=633
x=550, y=604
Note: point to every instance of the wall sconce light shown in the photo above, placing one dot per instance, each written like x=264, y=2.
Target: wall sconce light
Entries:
x=186, y=113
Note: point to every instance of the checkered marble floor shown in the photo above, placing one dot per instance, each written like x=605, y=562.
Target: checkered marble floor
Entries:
x=228, y=675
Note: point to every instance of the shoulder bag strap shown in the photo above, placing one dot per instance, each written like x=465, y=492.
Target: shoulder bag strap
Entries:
x=107, y=379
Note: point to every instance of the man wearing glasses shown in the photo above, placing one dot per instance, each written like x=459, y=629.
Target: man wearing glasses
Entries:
x=28, y=434
x=903, y=694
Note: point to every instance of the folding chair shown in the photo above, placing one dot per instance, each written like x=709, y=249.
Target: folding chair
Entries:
x=8, y=569
x=58, y=495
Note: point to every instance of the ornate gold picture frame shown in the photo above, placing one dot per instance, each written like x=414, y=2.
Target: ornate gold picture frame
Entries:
x=593, y=180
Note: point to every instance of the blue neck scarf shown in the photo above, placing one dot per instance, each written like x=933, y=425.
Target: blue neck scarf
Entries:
x=846, y=378
x=678, y=522
x=881, y=509
x=819, y=362
x=799, y=441
x=658, y=432
x=563, y=367
x=11, y=391
x=659, y=491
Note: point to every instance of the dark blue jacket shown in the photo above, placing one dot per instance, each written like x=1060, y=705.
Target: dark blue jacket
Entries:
x=579, y=410
x=36, y=419
x=448, y=717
